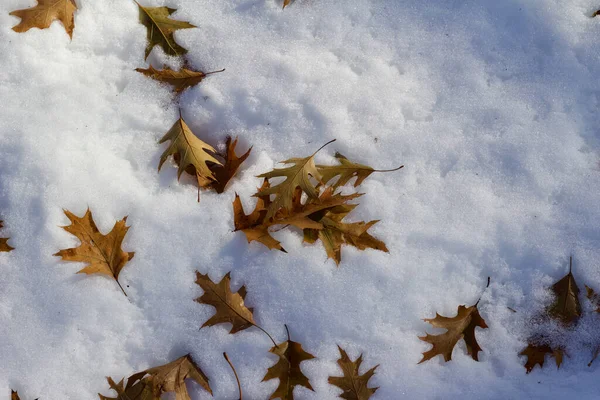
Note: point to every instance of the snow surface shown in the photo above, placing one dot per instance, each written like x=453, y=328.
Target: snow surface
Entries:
x=491, y=105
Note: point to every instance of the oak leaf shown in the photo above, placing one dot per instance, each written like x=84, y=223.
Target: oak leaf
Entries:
x=256, y=226
x=152, y=383
x=286, y=3
x=336, y=233
x=4, y=246
x=179, y=80
x=298, y=175
x=347, y=170
x=353, y=385
x=102, y=253
x=225, y=172
x=566, y=307
x=188, y=151
x=460, y=327
x=138, y=390
x=44, y=13
x=536, y=354
x=287, y=369
x=230, y=307
x=161, y=29
x=14, y=395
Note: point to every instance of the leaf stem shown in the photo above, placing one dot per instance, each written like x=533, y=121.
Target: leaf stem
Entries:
x=213, y=72
x=570, y=263
x=388, y=170
x=486, y=286
x=266, y=333
x=234, y=373
x=121, y=287
x=288, y=331
x=321, y=148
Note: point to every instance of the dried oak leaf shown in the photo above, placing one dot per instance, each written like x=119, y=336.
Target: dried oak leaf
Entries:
x=160, y=380
x=566, y=307
x=298, y=175
x=287, y=369
x=139, y=390
x=4, y=246
x=336, y=233
x=188, y=151
x=44, y=13
x=536, y=354
x=353, y=385
x=179, y=80
x=230, y=307
x=460, y=327
x=347, y=170
x=256, y=225
x=161, y=29
x=102, y=253
x=224, y=173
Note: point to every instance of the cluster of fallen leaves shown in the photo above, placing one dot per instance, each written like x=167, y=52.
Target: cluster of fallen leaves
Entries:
x=309, y=199
x=566, y=310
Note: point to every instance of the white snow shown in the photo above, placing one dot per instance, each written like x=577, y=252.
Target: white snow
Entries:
x=492, y=106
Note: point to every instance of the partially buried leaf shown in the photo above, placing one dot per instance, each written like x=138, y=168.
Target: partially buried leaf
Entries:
x=138, y=390
x=566, y=307
x=353, y=385
x=593, y=297
x=287, y=369
x=188, y=151
x=298, y=175
x=536, y=354
x=224, y=173
x=4, y=246
x=102, y=253
x=286, y=3
x=15, y=396
x=44, y=13
x=179, y=80
x=152, y=383
x=230, y=307
x=161, y=29
x=460, y=327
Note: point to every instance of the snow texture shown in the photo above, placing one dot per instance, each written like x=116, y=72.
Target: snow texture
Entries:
x=491, y=105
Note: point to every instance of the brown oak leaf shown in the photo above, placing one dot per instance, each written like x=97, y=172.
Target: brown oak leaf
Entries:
x=188, y=151
x=298, y=175
x=4, y=246
x=230, y=307
x=152, y=383
x=179, y=80
x=44, y=13
x=353, y=385
x=256, y=226
x=102, y=253
x=347, y=170
x=225, y=172
x=287, y=369
x=460, y=327
x=161, y=29
x=536, y=354
x=566, y=307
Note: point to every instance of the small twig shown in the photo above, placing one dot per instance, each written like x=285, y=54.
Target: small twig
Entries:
x=234, y=373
